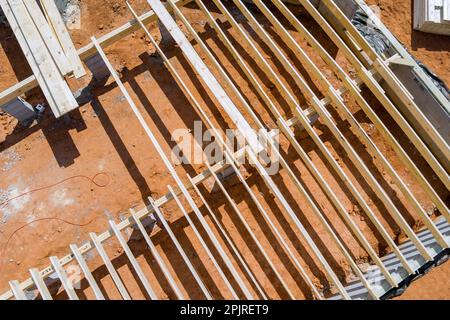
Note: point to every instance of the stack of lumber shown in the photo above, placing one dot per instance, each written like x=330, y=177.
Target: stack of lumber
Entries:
x=48, y=48
x=432, y=16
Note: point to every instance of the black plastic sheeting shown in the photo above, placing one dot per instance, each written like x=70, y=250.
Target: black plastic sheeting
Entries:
x=381, y=44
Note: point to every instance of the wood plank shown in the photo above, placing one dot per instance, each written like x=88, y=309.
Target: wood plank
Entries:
x=40, y=284
x=19, y=294
x=87, y=273
x=206, y=75
x=50, y=41
x=44, y=68
x=59, y=27
x=65, y=281
x=137, y=268
x=109, y=266
x=158, y=257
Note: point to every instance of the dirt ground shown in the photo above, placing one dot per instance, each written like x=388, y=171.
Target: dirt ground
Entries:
x=74, y=174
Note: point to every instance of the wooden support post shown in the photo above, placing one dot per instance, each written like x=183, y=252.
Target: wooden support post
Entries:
x=65, y=281
x=134, y=263
x=112, y=271
x=157, y=256
x=40, y=284
x=87, y=273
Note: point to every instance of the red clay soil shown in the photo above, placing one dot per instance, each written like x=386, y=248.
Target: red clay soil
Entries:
x=54, y=159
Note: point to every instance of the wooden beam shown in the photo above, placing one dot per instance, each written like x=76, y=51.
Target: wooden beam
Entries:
x=40, y=284
x=157, y=257
x=19, y=294
x=112, y=271
x=85, y=52
x=65, y=281
x=50, y=41
x=61, y=32
x=87, y=273
x=205, y=247
x=148, y=288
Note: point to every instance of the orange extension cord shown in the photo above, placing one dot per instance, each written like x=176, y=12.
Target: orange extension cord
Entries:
x=5, y=203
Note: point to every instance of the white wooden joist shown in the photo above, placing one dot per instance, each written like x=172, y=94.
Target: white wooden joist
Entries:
x=206, y=75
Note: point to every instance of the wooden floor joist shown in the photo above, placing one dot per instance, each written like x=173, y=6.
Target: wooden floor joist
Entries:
x=67, y=283
x=40, y=284
x=251, y=233
x=112, y=271
x=180, y=249
x=326, y=118
x=379, y=93
x=157, y=257
x=310, y=130
x=205, y=247
x=355, y=92
x=46, y=71
x=339, y=103
x=59, y=28
x=137, y=268
x=229, y=242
